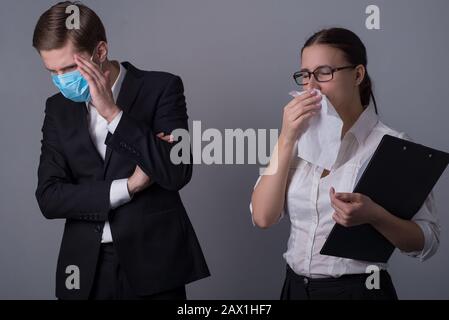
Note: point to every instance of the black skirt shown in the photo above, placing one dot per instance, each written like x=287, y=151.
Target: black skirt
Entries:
x=346, y=287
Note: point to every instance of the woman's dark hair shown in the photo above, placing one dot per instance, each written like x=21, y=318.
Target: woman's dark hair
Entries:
x=355, y=52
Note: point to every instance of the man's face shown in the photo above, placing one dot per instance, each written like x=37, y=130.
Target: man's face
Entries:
x=59, y=61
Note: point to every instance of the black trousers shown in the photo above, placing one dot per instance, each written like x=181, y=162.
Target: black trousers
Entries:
x=110, y=281
x=346, y=287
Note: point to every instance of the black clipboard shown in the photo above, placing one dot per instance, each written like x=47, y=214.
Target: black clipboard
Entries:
x=399, y=176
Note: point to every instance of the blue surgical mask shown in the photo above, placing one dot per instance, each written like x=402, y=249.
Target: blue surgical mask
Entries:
x=72, y=85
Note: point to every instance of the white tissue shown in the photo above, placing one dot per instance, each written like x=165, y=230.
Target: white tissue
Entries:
x=320, y=140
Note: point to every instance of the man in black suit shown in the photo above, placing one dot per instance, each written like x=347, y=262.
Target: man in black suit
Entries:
x=105, y=168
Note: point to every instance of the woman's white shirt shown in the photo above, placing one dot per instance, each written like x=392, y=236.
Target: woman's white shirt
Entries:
x=308, y=205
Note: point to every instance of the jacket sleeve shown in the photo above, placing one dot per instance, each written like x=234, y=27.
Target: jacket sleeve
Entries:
x=57, y=194
x=138, y=141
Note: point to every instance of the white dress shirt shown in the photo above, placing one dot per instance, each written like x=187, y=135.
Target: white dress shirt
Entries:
x=98, y=129
x=307, y=203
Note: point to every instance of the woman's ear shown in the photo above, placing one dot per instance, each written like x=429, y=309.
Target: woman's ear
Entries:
x=360, y=72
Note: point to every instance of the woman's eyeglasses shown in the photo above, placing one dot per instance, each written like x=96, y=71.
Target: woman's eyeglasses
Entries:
x=321, y=74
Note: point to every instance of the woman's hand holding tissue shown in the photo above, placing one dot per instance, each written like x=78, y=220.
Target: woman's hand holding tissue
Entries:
x=296, y=112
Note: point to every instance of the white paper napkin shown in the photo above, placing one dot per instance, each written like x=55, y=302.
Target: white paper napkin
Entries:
x=320, y=140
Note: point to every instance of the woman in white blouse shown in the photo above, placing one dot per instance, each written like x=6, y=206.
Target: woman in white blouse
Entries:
x=334, y=61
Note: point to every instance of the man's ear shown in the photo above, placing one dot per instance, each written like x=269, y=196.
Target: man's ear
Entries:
x=102, y=51
x=360, y=72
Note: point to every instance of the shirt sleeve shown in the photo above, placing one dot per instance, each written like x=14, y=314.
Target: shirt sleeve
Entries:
x=114, y=123
x=427, y=219
x=294, y=165
x=119, y=193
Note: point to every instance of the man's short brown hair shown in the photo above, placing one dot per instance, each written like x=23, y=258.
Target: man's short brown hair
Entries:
x=51, y=31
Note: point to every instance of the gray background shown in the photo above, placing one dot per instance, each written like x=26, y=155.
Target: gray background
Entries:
x=236, y=58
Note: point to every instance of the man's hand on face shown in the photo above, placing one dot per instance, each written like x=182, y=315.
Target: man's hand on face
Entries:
x=99, y=88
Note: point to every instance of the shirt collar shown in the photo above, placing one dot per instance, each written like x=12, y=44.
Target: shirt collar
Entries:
x=364, y=124
x=117, y=84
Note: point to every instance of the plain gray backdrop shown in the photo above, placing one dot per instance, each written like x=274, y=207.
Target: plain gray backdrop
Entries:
x=236, y=58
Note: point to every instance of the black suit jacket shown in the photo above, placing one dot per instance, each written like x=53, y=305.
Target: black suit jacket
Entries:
x=156, y=244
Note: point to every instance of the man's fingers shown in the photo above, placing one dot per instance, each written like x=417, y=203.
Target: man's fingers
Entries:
x=84, y=69
x=90, y=65
x=107, y=75
x=90, y=68
x=167, y=138
x=91, y=80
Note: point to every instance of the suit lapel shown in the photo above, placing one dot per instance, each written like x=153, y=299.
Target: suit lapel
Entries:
x=128, y=93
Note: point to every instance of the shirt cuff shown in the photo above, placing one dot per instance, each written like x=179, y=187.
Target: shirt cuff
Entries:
x=119, y=193
x=431, y=243
x=114, y=123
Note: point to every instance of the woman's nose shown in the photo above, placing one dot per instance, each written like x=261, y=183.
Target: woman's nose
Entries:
x=313, y=84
